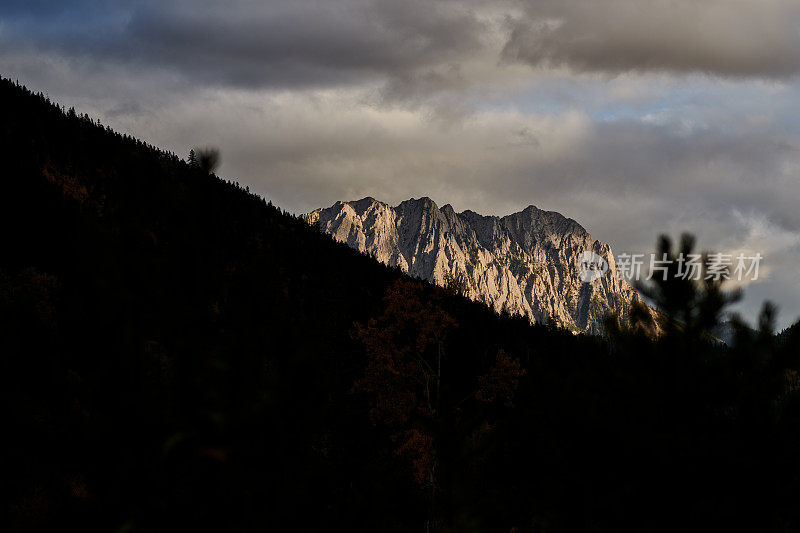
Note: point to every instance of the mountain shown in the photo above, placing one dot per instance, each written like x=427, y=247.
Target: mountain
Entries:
x=177, y=354
x=526, y=263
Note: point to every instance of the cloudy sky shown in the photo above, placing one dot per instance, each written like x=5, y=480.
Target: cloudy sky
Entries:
x=634, y=117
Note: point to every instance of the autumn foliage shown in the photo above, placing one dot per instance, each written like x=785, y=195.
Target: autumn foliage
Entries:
x=406, y=348
x=501, y=381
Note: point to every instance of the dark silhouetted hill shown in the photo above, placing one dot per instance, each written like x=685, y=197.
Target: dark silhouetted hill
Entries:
x=179, y=355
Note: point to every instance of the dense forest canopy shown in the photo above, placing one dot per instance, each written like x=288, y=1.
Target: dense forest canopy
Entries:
x=180, y=354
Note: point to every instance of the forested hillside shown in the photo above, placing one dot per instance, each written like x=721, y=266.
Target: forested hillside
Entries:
x=178, y=354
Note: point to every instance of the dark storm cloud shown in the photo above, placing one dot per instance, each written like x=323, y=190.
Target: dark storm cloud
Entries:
x=255, y=44
x=412, y=48
x=758, y=38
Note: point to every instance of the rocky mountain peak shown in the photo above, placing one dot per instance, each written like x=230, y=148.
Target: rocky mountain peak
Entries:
x=525, y=263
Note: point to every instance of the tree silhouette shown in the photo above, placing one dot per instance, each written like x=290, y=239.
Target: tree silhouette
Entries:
x=208, y=160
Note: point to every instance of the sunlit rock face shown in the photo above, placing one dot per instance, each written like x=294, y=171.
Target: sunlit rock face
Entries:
x=526, y=263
